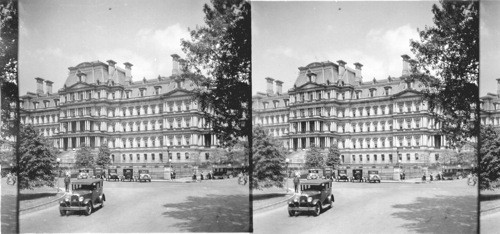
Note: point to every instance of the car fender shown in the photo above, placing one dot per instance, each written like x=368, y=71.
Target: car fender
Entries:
x=333, y=198
x=316, y=201
x=102, y=197
x=86, y=201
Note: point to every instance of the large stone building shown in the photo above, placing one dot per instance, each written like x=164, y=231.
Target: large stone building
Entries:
x=375, y=122
x=140, y=121
x=490, y=108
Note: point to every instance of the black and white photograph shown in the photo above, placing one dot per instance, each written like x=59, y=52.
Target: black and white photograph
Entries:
x=133, y=116
x=369, y=109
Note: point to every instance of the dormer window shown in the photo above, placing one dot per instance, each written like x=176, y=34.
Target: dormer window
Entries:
x=388, y=91
x=358, y=94
x=46, y=103
x=157, y=90
x=128, y=93
x=275, y=104
x=372, y=92
x=35, y=105
x=265, y=105
x=286, y=102
x=142, y=91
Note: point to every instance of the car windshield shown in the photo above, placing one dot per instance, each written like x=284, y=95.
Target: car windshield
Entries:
x=315, y=187
x=83, y=187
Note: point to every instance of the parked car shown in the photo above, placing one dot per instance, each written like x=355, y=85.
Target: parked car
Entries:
x=113, y=175
x=315, y=196
x=342, y=176
x=87, y=194
x=99, y=173
x=373, y=176
x=144, y=176
x=357, y=175
x=83, y=174
x=128, y=174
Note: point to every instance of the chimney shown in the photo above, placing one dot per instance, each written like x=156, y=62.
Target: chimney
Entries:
x=342, y=64
x=111, y=67
x=269, y=89
x=128, y=69
x=358, y=67
x=279, y=87
x=406, y=65
x=498, y=86
x=49, y=83
x=39, y=85
x=175, y=64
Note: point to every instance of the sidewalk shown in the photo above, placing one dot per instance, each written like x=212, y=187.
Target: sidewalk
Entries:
x=268, y=199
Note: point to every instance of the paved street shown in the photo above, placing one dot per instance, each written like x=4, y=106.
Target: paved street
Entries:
x=8, y=207
x=438, y=207
x=213, y=206
x=489, y=223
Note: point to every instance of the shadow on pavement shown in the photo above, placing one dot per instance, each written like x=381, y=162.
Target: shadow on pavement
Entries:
x=258, y=197
x=212, y=213
x=9, y=214
x=32, y=196
x=489, y=197
x=440, y=214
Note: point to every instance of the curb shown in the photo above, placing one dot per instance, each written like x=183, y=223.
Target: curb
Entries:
x=490, y=210
x=28, y=210
x=272, y=205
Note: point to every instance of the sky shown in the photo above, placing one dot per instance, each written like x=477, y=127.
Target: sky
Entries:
x=57, y=34
x=489, y=69
x=288, y=35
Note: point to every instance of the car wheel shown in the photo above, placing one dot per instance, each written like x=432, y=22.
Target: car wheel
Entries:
x=88, y=209
x=292, y=213
x=63, y=212
x=317, y=209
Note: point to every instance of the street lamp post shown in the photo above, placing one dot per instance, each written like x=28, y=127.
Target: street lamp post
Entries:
x=286, y=171
x=58, y=160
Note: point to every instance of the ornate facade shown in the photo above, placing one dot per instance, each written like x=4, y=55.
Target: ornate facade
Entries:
x=380, y=122
x=141, y=121
x=490, y=108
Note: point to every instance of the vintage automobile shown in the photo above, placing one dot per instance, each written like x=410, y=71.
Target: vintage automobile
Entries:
x=314, y=174
x=315, y=196
x=373, y=176
x=357, y=175
x=83, y=174
x=99, y=173
x=113, y=175
x=342, y=176
x=86, y=195
x=128, y=174
x=144, y=176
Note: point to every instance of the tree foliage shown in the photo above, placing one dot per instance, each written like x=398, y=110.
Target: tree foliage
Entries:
x=37, y=161
x=84, y=157
x=268, y=161
x=489, y=154
x=450, y=49
x=8, y=69
x=221, y=52
x=103, y=160
x=315, y=158
x=333, y=157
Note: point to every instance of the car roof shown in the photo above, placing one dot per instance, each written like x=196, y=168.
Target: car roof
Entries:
x=87, y=181
x=314, y=181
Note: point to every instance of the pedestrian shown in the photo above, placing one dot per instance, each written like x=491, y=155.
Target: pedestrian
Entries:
x=404, y=176
x=431, y=177
x=174, y=175
x=401, y=176
x=201, y=176
x=67, y=182
x=423, y=178
x=245, y=178
x=194, y=177
x=296, y=183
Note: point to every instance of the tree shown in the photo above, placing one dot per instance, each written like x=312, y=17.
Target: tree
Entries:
x=333, y=157
x=103, y=159
x=8, y=70
x=450, y=49
x=37, y=162
x=315, y=158
x=84, y=157
x=268, y=161
x=489, y=154
x=220, y=54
